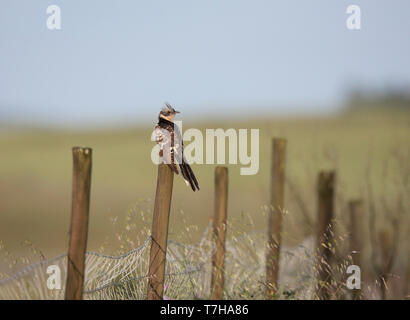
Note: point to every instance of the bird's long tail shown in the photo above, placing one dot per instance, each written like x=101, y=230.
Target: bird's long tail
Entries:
x=189, y=176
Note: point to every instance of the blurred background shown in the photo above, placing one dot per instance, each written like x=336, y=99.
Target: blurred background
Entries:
x=291, y=69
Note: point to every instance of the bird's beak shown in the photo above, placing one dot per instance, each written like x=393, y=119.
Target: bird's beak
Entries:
x=177, y=111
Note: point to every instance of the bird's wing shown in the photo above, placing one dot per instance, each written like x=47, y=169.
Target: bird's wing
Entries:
x=178, y=145
x=157, y=134
x=165, y=139
x=186, y=170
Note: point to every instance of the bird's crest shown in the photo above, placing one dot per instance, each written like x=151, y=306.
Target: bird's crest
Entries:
x=168, y=110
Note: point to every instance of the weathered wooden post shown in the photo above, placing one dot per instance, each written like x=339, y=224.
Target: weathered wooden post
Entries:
x=79, y=222
x=356, y=237
x=275, y=215
x=219, y=232
x=385, y=255
x=159, y=232
x=406, y=290
x=325, y=243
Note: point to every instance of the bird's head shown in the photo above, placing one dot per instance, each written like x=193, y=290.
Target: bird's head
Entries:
x=168, y=112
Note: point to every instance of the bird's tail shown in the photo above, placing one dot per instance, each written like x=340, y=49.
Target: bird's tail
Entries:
x=189, y=176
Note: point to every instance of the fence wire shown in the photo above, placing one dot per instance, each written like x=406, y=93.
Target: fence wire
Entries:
x=187, y=272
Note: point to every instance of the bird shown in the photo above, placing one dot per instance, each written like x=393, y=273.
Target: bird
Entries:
x=169, y=138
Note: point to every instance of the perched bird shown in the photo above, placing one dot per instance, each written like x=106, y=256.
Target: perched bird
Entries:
x=168, y=136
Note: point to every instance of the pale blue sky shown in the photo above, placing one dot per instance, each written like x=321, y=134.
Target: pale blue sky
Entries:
x=120, y=60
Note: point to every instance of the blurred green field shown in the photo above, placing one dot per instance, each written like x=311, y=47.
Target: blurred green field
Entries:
x=35, y=175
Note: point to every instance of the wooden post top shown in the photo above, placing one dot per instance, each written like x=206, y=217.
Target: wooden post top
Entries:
x=82, y=150
x=326, y=182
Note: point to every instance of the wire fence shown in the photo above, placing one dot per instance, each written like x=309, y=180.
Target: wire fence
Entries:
x=187, y=273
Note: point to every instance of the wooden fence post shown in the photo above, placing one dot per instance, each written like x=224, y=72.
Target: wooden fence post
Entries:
x=275, y=215
x=356, y=238
x=219, y=232
x=325, y=243
x=79, y=222
x=407, y=278
x=385, y=248
x=159, y=233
